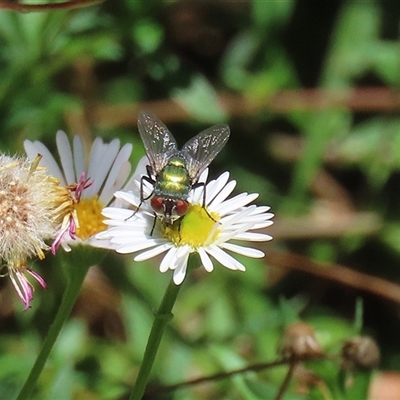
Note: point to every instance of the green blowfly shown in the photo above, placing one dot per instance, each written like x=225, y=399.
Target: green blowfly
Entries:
x=173, y=172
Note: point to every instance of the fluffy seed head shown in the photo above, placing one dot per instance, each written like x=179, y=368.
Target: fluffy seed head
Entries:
x=32, y=205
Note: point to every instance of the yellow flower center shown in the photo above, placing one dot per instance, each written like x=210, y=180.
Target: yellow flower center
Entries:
x=89, y=217
x=197, y=228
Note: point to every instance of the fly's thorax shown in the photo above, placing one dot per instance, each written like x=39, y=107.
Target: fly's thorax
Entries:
x=173, y=181
x=171, y=191
x=177, y=161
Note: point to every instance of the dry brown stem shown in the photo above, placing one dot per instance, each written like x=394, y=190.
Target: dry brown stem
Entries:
x=336, y=273
x=365, y=99
x=69, y=5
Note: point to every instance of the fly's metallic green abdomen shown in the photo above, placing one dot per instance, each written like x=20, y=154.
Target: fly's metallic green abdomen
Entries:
x=173, y=181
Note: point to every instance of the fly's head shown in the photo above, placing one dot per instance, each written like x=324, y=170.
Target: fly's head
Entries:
x=169, y=210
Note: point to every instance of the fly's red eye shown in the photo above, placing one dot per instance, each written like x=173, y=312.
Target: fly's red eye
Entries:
x=157, y=204
x=181, y=207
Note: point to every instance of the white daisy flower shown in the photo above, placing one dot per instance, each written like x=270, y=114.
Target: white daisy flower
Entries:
x=93, y=180
x=208, y=231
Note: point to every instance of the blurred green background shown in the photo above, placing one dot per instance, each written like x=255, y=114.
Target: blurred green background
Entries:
x=310, y=91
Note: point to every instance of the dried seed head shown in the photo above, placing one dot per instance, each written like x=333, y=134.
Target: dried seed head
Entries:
x=32, y=205
x=360, y=352
x=299, y=342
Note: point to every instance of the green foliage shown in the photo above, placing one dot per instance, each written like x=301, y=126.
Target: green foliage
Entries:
x=200, y=100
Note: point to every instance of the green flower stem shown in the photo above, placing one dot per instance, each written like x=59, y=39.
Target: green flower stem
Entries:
x=75, y=272
x=161, y=319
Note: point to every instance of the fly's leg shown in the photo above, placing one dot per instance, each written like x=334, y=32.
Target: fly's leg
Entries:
x=150, y=180
x=154, y=224
x=202, y=184
x=179, y=221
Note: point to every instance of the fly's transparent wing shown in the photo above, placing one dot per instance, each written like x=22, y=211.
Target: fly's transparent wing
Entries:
x=158, y=141
x=203, y=148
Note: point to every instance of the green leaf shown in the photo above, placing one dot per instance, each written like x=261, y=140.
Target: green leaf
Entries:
x=267, y=13
x=200, y=101
x=62, y=386
x=148, y=35
x=391, y=236
x=265, y=390
x=237, y=58
x=359, y=385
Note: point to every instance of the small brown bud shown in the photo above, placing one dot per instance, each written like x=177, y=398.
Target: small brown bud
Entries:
x=299, y=342
x=360, y=352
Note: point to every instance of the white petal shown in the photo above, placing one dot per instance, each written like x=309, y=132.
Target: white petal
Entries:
x=227, y=235
x=216, y=185
x=222, y=195
x=115, y=230
x=100, y=243
x=239, y=217
x=261, y=225
x=258, y=220
x=231, y=232
x=181, y=253
x=101, y=159
x=120, y=235
x=32, y=149
x=79, y=156
x=206, y=260
x=262, y=210
x=139, y=172
x=180, y=271
x=117, y=213
x=129, y=235
x=257, y=215
x=129, y=197
x=126, y=248
x=66, y=158
x=196, y=195
x=167, y=261
x=235, y=203
x=118, y=224
x=107, y=193
x=153, y=252
x=115, y=174
x=253, y=237
x=225, y=259
x=204, y=175
x=245, y=251
x=65, y=246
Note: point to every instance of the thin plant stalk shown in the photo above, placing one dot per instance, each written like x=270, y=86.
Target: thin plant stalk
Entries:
x=75, y=273
x=161, y=319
